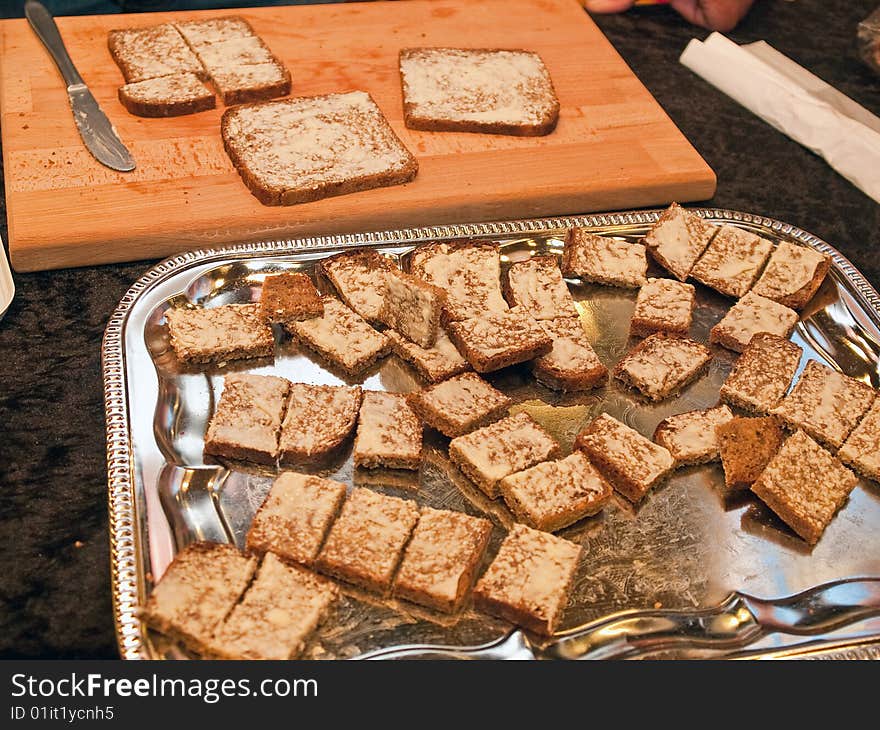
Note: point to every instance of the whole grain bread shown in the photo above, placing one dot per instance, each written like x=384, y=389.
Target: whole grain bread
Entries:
x=151, y=52
x=167, y=96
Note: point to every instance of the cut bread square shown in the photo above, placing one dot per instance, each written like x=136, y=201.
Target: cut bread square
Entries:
x=749, y=316
x=318, y=419
x=289, y=298
x=556, y=494
x=459, y=405
x=441, y=559
x=746, y=445
x=629, y=461
x=678, y=239
x=762, y=374
x=389, y=433
x=497, y=91
x=230, y=53
x=218, y=334
x=497, y=340
x=200, y=33
x=537, y=285
x=529, y=580
x=690, y=437
x=295, y=517
x=732, y=261
x=493, y=452
x=571, y=364
x=279, y=611
x=468, y=271
x=342, y=337
x=167, y=96
x=197, y=591
x=661, y=365
x=307, y=148
x=604, y=260
x=440, y=361
x=248, y=418
x=663, y=305
x=793, y=275
x=255, y=83
x=861, y=450
x=412, y=307
x=805, y=486
x=151, y=52
x=366, y=542
x=825, y=404
x=359, y=278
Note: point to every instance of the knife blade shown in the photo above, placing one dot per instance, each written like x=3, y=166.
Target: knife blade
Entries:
x=94, y=127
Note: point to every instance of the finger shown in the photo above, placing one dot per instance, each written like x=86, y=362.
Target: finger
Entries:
x=608, y=6
x=722, y=15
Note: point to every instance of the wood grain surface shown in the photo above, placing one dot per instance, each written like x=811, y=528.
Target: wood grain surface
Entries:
x=614, y=147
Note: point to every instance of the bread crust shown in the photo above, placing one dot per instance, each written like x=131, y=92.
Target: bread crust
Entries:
x=256, y=94
x=165, y=108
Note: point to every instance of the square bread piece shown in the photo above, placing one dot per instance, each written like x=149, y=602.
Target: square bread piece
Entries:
x=793, y=275
x=468, y=271
x=805, y=486
x=626, y=458
x=678, y=239
x=251, y=83
x=459, y=405
x=556, y=494
x=749, y=316
x=318, y=419
x=307, y=148
x=343, y=337
x=294, y=519
x=359, y=278
x=663, y=305
x=389, y=433
x=247, y=418
x=199, y=33
x=287, y=298
x=690, y=437
x=571, y=364
x=441, y=559
x=825, y=404
x=762, y=374
x=746, y=445
x=367, y=540
x=661, y=365
x=489, y=90
x=862, y=448
x=151, y=52
x=604, y=260
x=166, y=96
x=413, y=308
x=230, y=332
x=493, y=452
x=197, y=591
x=529, y=579
x=537, y=285
x=440, y=361
x=280, y=610
x=732, y=261
x=497, y=340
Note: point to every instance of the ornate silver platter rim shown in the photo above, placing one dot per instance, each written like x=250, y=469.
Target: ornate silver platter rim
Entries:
x=121, y=485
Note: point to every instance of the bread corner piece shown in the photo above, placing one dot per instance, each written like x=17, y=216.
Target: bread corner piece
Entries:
x=661, y=365
x=358, y=275
x=793, y=275
x=805, y=486
x=663, y=305
x=460, y=404
x=861, y=450
x=732, y=261
x=440, y=361
x=691, y=437
x=289, y=297
x=537, y=285
x=529, y=580
x=317, y=420
x=152, y=52
x=303, y=149
x=389, y=434
x=495, y=91
x=572, y=364
x=749, y=316
x=412, y=307
x=167, y=96
x=678, y=239
x=762, y=374
x=604, y=260
x=745, y=446
x=497, y=340
x=217, y=334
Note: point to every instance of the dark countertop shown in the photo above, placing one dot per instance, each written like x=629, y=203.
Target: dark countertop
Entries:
x=54, y=589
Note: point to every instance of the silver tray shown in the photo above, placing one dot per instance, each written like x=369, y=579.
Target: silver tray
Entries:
x=686, y=546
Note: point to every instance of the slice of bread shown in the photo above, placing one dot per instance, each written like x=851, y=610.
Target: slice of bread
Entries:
x=389, y=433
x=199, y=33
x=678, y=239
x=732, y=261
x=440, y=361
x=661, y=365
x=412, y=307
x=604, y=260
x=663, y=305
x=745, y=445
x=749, y=316
x=497, y=340
x=862, y=448
x=459, y=405
x=793, y=275
x=690, y=437
x=318, y=419
x=151, y=52
x=167, y=96
x=762, y=374
x=358, y=276
x=307, y=148
x=571, y=364
x=217, y=334
x=290, y=297
x=489, y=90
x=251, y=83
x=537, y=285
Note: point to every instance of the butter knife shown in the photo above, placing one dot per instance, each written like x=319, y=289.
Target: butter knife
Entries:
x=736, y=622
x=95, y=129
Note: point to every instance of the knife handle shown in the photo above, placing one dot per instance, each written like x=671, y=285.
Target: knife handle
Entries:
x=44, y=26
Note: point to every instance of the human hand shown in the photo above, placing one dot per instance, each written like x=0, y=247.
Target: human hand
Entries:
x=720, y=15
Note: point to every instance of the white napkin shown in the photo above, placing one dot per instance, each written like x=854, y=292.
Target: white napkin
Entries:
x=7, y=286
x=796, y=102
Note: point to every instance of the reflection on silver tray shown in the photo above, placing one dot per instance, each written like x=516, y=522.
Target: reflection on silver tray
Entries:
x=686, y=546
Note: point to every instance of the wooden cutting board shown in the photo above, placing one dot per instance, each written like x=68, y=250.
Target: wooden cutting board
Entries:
x=614, y=146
